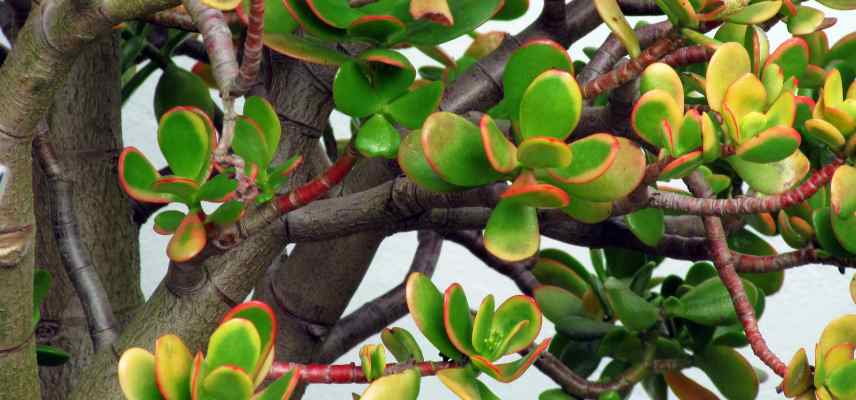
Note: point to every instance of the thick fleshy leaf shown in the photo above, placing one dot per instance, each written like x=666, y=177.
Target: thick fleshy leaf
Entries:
x=303, y=49
x=235, y=342
x=544, y=152
x=412, y=160
x=746, y=95
x=404, y=386
x=264, y=320
x=228, y=213
x=501, y=152
x=250, y=144
x=774, y=144
x=461, y=381
x=794, y=230
x=373, y=358
x=338, y=14
x=507, y=317
x=137, y=175
x=173, y=365
x=655, y=113
x=282, y=388
x=842, y=382
x=262, y=112
x=824, y=132
x=588, y=212
x=378, y=138
x=512, y=9
x=401, y=344
x=527, y=63
x=792, y=56
x=798, y=376
x=595, y=154
x=687, y=389
x=647, y=224
x=728, y=63
x=620, y=179
x=634, y=312
x=217, y=189
x=662, y=76
x=772, y=178
x=806, y=21
x=279, y=174
x=557, y=303
x=687, y=137
x=843, y=191
x=700, y=272
x=482, y=325
x=553, y=272
x=178, y=87
x=467, y=14
x=452, y=146
x=412, y=109
x=839, y=4
x=681, y=166
x=512, y=232
x=457, y=319
x=755, y=13
x=485, y=43
x=185, y=141
x=167, y=222
x=228, y=382
x=509, y=372
x=359, y=96
x=527, y=191
x=379, y=29
x=611, y=14
x=709, y=303
x=49, y=356
x=426, y=307
x=223, y=5
x=177, y=189
x=551, y=106
x=732, y=375
x=845, y=231
x=436, y=11
x=711, y=138
x=137, y=375
x=823, y=232
x=189, y=239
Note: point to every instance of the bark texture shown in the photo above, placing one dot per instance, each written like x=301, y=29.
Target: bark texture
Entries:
x=85, y=129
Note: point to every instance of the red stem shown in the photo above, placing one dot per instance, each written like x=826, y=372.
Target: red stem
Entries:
x=351, y=373
x=630, y=70
x=252, y=46
x=319, y=186
x=688, y=55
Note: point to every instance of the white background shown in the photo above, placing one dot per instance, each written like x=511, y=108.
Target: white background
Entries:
x=794, y=318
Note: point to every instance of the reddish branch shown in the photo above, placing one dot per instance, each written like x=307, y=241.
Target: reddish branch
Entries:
x=631, y=69
x=74, y=254
x=744, y=205
x=519, y=272
x=725, y=265
x=688, y=55
x=252, y=46
x=793, y=259
x=218, y=40
x=352, y=373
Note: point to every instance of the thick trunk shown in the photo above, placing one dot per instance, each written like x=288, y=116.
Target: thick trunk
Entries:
x=85, y=129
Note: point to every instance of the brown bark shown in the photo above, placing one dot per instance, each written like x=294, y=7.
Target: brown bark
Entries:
x=86, y=133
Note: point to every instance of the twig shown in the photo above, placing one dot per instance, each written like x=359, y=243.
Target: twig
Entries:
x=689, y=55
x=379, y=313
x=252, y=47
x=352, y=373
x=724, y=262
x=172, y=18
x=75, y=256
x=632, y=69
x=519, y=272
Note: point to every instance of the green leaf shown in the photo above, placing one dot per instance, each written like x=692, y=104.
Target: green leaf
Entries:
x=593, y=156
x=732, y=375
x=249, y=143
x=137, y=375
x=401, y=344
x=42, y=281
x=461, y=381
x=654, y=115
x=792, y=56
x=176, y=188
x=544, y=152
x=771, y=145
x=378, y=138
x=709, y=303
x=824, y=233
x=500, y=152
x=411, y=158
x=426, y=307
x=775, y=177
x=373, y=358
x=841, y=382
x=482, y=325
x=236, y=342
x=807, y=21
x=525, y=64
x=282, y=388
x=588, y=212
x=189, y=239
x=557, y=303
x=619, y=180
x=403, y=386
x=681, y=166
x=549, y=271
x=262, y=112
x=167, y=222
x=217, y=189
x=185, y=139
x=49, y=356
x=554, y=394
x=633, y=311
x=228, y=382
x=798, y=376
x=647, y=224
x=700, y=272
x=457, y=319
x=228, y=213
x=467, y=14
x=509, y=314
x=745, y=96
x=755, y=13
x=551, y=106
x=378, y=29
x=137, y=175
x=687, y=136
x=512, y=232
x=178, y=87
x=453, y=148
x=511, y=371
x=173, y=365
x=686, y=388
x=729, y=62
x=264, y=321
x=526, y=190
x=843, y=191
x=611, y=14
x=512, y=9
x=412, y=109
x=278, y=176
x=302, y=48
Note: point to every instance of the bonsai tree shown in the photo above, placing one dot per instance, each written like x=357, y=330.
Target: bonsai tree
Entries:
x=691, y=137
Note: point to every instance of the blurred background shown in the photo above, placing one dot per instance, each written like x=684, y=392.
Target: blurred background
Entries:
x=793, y=318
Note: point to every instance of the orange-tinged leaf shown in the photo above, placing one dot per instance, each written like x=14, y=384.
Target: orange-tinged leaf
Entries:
x=687, y=389
x=728, y=63
x=189, y=239
x=798, y=376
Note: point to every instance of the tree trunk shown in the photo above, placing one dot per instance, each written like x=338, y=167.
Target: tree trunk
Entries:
x=85, y=129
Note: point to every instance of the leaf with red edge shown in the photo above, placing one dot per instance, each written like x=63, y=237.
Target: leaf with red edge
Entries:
x=807, y=20
x=772, y=178
x=662, y=76
x=360, y=95
x=264, y=115
x=619, y=180
x=511, y=371
x=783, y=111
x=412, y=160
x=528, y=191
x=461, y=381
x=544, y=152
x=509, y=314
x=167, y=222
x=137, y=375
x=798, y=376
x=218, y=189
x=282, y=388
x=653, y=114
x=278, y=175
x=277, y=19
x=404, y=386
x=588, y=212
x=303, y=49
x=457, y=319
x=378, y=29
x=728, y=63
x=336, y=13
x=594, y=155
x=173, y=366
x=189, y=239
x=687, y=389
x=454, y=150
x=512, y=9
x=687, y=136
x=412, y=109
x=526, y=64
x=711, y=138
x=486, y=43
x=264, y=320
x=843, y=191
x=501, y=152
x=204, y=72
x=774, y=144
x=551, y=106
x=177, y=188
x=185, y=139
x=436, y=11
x=755, y=13
x=512, y=231
x=137, y=175
x=681, y=166
x=792, y=56
x=467, y=15
x=425, y=304
x=747, y=94
x=178, y=87
x=249, y=143
x=228, y=382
